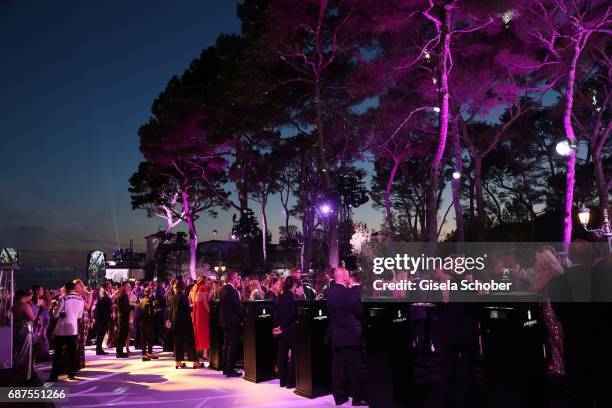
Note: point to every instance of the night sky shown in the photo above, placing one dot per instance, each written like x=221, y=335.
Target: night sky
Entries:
x=77, y=79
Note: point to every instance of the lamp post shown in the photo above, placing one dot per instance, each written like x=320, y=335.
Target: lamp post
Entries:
x=605, y=230
x=219, y=271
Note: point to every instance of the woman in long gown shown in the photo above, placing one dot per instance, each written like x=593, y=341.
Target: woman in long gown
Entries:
x=200, y=315
x=546, y=267
x=83, y=329
x=41, y=304
x=182, y=327
x=134, y=302
x=23, y=316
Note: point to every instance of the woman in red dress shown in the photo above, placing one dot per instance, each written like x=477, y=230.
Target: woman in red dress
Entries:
x=200, y=315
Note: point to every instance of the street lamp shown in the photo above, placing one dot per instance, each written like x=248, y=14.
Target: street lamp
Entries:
x=456, y=175
x=565, y=147
x=325, y=209
x=584, y=214
x=604, y=231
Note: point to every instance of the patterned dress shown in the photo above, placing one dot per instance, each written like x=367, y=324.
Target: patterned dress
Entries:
x=82, y=339
x=555, y=336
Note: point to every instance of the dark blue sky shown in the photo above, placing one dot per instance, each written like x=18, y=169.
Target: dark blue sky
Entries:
x=77, y=79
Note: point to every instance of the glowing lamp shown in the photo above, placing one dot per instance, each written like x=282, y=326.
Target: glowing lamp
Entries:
x=456, y=175
x=436, y=109
x=584, y=214
x=326, y=209
x=564, y=148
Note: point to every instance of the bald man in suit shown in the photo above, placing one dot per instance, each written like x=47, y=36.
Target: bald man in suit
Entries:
x=345, y=314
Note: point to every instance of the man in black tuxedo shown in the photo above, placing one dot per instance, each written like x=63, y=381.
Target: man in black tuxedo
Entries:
x=230, y=315
x=103, y=316
x=123, y=310
x=285, y=319
x=345, y=313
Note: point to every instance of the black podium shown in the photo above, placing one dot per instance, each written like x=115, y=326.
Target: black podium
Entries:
x=312, y=355
x=216, y=337
x=388, y=359
x=259, y=344
x=513, y=338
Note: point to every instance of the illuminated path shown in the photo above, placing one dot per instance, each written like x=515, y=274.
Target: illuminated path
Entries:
x=110, y=382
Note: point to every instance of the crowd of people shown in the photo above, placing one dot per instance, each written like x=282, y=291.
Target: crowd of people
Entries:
x=176, y=316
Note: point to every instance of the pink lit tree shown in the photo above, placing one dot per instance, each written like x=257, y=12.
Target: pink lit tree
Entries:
x=419, y=40
x=397, y=137
x=562, y=30
x=227, y=88
x=153, y=190
x=173, y=142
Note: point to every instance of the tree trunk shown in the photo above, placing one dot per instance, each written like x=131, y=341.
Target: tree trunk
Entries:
x=434, y=182
x=569, y=132
x=480, y=210
x=264, y=231
x=169, y=221
x=245, y=250
x=307, y=230
x=471, y=187
x=456, y=184
x=332, y=233
x=396, y=164
x=193, y=237
x=602, y=185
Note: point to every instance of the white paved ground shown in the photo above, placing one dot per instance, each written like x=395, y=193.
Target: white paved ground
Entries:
x=110, y=382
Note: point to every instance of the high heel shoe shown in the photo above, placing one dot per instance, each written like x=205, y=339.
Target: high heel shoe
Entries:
x=179, y=365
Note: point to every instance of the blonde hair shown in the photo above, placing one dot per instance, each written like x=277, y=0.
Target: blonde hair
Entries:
x=547, y=266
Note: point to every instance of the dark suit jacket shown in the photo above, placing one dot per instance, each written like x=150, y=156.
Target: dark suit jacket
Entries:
x=327, y=288
x=230, y=309
x=284, y=314
x=345, y=313
x=180, y=315
x=104, y=309
x=146, y=309
x=123, y=304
